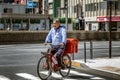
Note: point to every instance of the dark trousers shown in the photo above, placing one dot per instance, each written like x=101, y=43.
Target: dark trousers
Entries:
x=57, y=50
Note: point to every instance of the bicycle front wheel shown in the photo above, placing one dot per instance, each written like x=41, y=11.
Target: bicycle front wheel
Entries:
x=66, y=63
x=43, y=69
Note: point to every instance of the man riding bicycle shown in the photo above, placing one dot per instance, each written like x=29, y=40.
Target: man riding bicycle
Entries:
x=57, y=36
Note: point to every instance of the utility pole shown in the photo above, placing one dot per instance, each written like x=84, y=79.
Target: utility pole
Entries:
x=82, y=15
x=66, y=11
x=110, y=41
x=110, y=32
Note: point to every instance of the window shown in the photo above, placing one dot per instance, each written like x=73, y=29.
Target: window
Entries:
x=50, y=5
x=86, y=7
x=99, y=6
x=8, y=10
x=117, y=5
x=75, y=9
x=95, y=6
x=91, y=7
x=102, y=5
x=8, y=1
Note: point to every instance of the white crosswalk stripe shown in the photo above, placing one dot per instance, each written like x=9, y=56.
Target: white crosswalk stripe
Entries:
x=70, y=79
x=3, y=78
x=28, y=76
x=54, y=75
x=78, y=73
x=97, y=78
x=86, y=75
x=58, y=76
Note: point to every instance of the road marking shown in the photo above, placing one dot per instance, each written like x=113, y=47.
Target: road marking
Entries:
x=28, y=76
x=83, y=74
x=55, y=75
x=70, y=79
x=116, y=46
x=77, y=73
x=97, y=78
x=3, y=78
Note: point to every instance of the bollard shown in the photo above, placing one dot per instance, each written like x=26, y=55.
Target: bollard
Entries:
x=91, y=49
x=85, y=51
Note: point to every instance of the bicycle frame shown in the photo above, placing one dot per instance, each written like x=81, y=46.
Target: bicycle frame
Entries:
x=53, y=60
x=50, y=64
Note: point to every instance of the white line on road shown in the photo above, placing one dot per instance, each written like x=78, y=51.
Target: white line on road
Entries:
x=87, y=75
x=97, y=78
x=70, y=79
x=3, y=78
x=78, y=73
x=55, y=75
x=116, y=46
x=28, y=76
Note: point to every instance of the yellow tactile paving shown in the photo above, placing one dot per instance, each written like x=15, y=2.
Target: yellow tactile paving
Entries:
x=75, y=64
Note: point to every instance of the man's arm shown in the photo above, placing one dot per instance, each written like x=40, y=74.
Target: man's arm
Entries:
x=63, y=36
x=49, y=37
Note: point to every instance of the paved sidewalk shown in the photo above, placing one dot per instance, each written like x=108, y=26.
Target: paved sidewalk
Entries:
x=105, y=65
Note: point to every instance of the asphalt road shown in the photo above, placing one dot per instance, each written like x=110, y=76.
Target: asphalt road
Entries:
x=19, y=61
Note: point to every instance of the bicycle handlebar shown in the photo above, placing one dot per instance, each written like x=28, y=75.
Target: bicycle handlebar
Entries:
x=48, y=44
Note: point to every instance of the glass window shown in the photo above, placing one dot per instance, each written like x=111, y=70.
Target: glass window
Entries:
x=75, y=8
x=117, y=5
x=50, y=5
x=102, y=5
x=8, y=10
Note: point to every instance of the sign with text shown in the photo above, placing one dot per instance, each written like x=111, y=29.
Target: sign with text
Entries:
x=107, y=18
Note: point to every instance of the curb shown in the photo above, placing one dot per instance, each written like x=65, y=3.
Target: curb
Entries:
x=95, y=71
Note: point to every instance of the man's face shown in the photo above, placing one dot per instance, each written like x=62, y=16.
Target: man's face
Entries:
x=56, y=25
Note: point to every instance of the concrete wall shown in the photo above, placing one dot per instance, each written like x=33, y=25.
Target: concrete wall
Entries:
x=39, y=36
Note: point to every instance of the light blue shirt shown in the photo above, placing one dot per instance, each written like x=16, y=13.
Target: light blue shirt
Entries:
x=56, y=36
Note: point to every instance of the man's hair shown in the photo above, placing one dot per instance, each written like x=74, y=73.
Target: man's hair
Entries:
x=56, y=21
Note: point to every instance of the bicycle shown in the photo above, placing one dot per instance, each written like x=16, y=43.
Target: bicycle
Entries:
x=47, y=64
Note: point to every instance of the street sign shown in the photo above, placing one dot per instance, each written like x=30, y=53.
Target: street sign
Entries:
x=30, y=4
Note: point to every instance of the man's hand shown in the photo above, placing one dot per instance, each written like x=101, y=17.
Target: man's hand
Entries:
x=45, y=44
x=62, y=44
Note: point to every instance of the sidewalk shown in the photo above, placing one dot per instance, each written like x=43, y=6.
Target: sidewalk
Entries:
x=106, y=66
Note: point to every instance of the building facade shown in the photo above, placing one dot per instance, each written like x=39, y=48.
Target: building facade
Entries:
x=54, y=7
x=93, y=14
x=22, y=6
x=23, y=15
x=97, y=15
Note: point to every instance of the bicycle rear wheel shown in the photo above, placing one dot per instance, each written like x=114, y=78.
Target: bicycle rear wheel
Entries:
x=43, y=68
x=66, y=63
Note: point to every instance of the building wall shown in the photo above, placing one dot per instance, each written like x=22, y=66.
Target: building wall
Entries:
x=39, y=36
x=91, y=9
x=50, y=2
x=15, y=8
